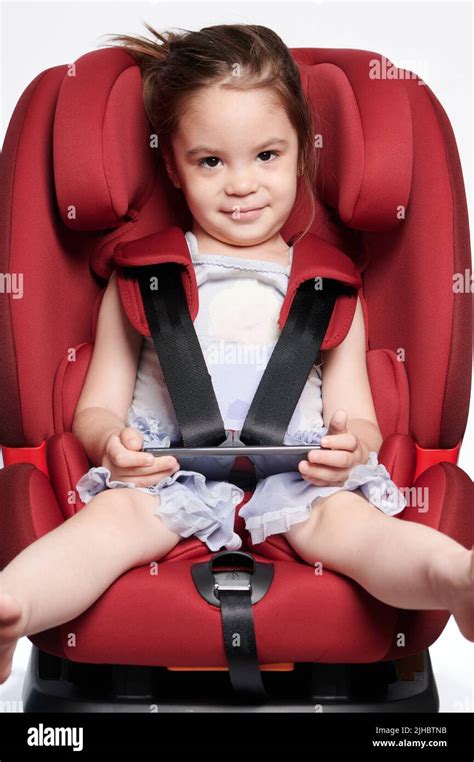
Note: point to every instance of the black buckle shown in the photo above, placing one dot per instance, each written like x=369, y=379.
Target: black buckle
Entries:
x=232, y=580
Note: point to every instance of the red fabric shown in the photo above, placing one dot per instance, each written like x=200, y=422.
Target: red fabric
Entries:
x=413, y=308
x=398, y=455
x=167, y=246
x=390, y=392
x=68, y=383
x=28, y=509
x=37, y=330
x=103, y=164
x=357, y=628
x=67, y=462
x=365, y=127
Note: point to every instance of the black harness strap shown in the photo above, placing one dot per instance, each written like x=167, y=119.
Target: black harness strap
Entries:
x=234, y=590
x=180, y=354
x=290, y=364
x=240, y=643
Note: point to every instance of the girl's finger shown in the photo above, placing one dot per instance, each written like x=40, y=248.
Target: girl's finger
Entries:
x=144, y=481
x=158, y=465
x=124, y=458
x=335, y=458
x=327, y=475
x=346, y=441
x=320, y=482
x=131, y=438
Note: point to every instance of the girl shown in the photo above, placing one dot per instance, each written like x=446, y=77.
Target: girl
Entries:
x=236, y=137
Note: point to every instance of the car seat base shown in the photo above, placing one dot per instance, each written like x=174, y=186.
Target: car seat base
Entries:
x=53, y=684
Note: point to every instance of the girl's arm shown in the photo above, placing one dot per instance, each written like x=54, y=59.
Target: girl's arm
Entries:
x=345, y=384
x=110, y=383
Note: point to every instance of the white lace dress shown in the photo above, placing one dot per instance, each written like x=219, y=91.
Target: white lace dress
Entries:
x=237, y=327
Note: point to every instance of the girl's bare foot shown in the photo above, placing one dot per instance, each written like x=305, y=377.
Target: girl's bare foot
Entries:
x=12, y=627
x=455, y=582
x=463, y=602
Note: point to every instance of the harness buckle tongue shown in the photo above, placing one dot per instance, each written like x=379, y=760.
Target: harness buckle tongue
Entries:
x=232, y=580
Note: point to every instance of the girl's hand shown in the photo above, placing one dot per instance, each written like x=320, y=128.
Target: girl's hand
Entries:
x=327, y=468
x=123, y=457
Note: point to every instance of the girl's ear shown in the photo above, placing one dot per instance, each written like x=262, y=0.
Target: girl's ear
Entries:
x=170, y=168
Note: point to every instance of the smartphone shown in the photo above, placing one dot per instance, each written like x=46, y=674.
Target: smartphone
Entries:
x=230, y=453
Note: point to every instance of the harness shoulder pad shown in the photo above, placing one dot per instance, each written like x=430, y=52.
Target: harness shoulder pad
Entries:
x=166, y=246
x=315, y=258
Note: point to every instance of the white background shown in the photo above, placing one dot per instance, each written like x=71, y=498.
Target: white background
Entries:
x=432, y=39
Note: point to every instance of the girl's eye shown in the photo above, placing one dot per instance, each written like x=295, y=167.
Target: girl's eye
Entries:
x=216, y=158
x=266, y=153
x=208, y=158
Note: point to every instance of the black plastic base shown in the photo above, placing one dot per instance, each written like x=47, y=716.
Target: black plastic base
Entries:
x=57, y=685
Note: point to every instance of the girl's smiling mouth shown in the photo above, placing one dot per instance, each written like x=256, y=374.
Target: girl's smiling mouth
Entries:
x=251, y=214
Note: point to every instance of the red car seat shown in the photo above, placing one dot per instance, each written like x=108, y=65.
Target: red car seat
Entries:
x=79, y=177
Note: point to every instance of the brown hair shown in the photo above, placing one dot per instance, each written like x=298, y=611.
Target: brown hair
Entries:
x=180, y=65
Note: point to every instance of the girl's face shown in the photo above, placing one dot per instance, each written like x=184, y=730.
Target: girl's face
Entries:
x=236, y=151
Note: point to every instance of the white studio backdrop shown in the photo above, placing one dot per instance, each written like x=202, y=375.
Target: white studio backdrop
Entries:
x=432, y=39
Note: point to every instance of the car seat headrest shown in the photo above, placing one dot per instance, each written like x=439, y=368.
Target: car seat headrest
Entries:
x=364, y=130
x=104, y=164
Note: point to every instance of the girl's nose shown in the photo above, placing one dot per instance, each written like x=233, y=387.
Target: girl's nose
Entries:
x=241, y=186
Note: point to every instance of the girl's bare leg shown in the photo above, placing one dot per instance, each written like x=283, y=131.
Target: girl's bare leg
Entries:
x=405, y=564
x=60, y=575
